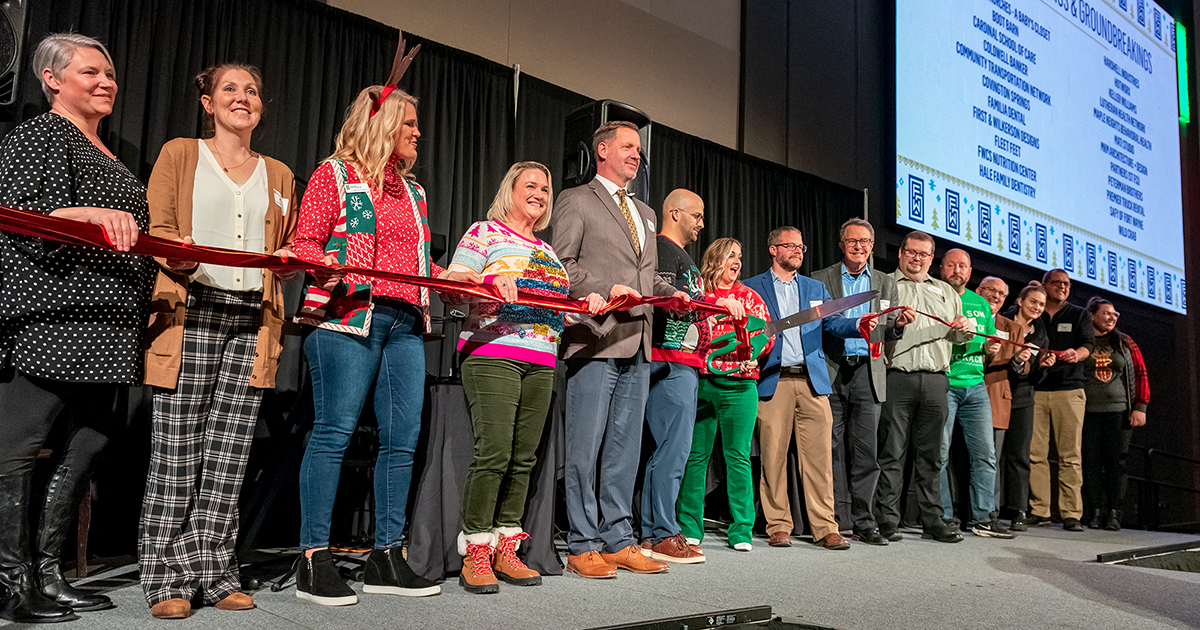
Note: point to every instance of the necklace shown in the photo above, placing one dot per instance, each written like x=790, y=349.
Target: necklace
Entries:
x=221, y=161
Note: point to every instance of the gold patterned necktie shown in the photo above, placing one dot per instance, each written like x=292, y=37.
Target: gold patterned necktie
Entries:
x=621, y=195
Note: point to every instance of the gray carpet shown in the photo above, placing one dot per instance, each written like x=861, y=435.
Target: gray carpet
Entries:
x=1046, y=578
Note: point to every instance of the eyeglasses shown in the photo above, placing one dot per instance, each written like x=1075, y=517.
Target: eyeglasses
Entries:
x=916, y=254
x=696, y=216
x=1061, y=283
x=862, y=242
x=800, y=247
x=992, y=290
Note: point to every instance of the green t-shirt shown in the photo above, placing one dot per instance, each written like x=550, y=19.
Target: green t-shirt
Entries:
x=966, y=360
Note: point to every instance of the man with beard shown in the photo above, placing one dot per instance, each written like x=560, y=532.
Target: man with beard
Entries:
x=859, y=380
x=915, y=411
x=674, y=379
x=1058, y=406
x=794, y=399
x=969, y=406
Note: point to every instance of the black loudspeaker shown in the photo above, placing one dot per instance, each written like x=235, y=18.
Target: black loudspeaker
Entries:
x=579, y=165
x=12, y=36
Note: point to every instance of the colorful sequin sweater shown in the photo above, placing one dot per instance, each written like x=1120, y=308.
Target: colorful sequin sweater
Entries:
x=511, y=331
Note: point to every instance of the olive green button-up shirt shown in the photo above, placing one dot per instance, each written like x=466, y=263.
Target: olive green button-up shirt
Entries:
x=927, y=343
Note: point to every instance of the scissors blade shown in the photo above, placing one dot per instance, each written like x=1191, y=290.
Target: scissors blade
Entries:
x=820, y=311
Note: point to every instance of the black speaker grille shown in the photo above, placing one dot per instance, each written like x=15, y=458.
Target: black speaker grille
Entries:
x=8, y=43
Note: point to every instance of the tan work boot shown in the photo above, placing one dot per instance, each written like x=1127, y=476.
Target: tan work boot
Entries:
x=507, y=565
x=477, y=551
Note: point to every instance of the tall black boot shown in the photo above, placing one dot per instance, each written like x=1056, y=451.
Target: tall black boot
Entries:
x=20, y=600
x=62, y=494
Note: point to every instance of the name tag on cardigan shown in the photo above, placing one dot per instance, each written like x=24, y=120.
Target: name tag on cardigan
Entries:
x=1003, y=334
x=885, y=305
x=1065, y=327
x=358, y=188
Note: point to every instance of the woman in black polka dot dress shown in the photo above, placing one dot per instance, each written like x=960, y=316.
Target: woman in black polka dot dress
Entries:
x=71, y=318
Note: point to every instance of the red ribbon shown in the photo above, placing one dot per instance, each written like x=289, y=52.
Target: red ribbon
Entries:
x=90, y=235
x=877, y=348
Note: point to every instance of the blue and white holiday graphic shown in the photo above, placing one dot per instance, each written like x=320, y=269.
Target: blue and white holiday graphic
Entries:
x=1045, y=132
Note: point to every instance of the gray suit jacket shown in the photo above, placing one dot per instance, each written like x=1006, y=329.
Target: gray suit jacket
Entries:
x=886, y=331
x=592, y=239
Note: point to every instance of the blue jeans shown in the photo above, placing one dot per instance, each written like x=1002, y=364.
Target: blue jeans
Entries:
x=343, y=367
x=606, y=401
x=972, y=410
x=671, y=414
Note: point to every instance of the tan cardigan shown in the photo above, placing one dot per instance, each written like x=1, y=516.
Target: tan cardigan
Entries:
x=996, y=373
x=170, y=196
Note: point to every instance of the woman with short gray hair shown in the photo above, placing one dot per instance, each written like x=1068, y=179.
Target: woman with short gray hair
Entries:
x=71, y=318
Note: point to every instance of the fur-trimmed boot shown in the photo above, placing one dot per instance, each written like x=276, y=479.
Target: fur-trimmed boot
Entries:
x=507, y=565
x=477, y=551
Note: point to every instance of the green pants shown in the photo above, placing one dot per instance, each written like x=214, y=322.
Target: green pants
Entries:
x=732, y=405
x=509, y=400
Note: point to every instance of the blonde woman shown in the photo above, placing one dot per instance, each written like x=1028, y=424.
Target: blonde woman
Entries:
x=728, y=402
x=508, y=373
x=362, y=209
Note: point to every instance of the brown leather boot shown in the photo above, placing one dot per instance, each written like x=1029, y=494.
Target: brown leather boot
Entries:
x=507, y=565
x=477, y=551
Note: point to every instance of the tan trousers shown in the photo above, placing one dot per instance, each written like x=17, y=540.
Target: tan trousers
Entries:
x=796, y=409
x=1062, y=413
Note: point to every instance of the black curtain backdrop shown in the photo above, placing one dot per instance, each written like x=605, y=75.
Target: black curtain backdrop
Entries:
x=475, y=122
x=746, y=197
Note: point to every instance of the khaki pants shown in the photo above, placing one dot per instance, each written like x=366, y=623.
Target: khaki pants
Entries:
x=796, y=409
x=1062, y=413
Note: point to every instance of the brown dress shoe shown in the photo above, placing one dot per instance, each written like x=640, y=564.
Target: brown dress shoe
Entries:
x=647, y=547
x=780, y=539
x=632, y=560
x=177, y=608
x=236, y=601
x=674, y=549
x=591, y=565
x=833, y=541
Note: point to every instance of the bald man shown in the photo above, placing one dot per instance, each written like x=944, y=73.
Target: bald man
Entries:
x=674, y=378
x=969, y=405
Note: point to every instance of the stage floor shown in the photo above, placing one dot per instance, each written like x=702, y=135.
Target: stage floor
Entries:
x=1045, y=578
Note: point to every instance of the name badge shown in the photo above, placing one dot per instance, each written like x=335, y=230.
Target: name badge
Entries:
x=814, y=303
x=1003, y=334
x=885, y=305
x=281, y=202
x=937, y=290
x=1033, y=346
x=1065, y=328
x=358, y=188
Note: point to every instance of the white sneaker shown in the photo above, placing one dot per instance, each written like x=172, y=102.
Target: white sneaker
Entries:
x=742, y=546
x=693, y=541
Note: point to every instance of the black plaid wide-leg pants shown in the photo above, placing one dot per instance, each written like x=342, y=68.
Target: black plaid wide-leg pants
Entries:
x=201, y=436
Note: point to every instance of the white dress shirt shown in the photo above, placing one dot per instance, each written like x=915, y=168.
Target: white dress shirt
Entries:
x=633, y=211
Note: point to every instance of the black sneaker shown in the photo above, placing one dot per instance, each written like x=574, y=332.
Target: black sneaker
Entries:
x=318, y=581
x=992, y=529
x=871, y=537
x=1072, y=525
x=1033, y=520
x=953, y=523
x=388, y=573
x=1019, y=523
